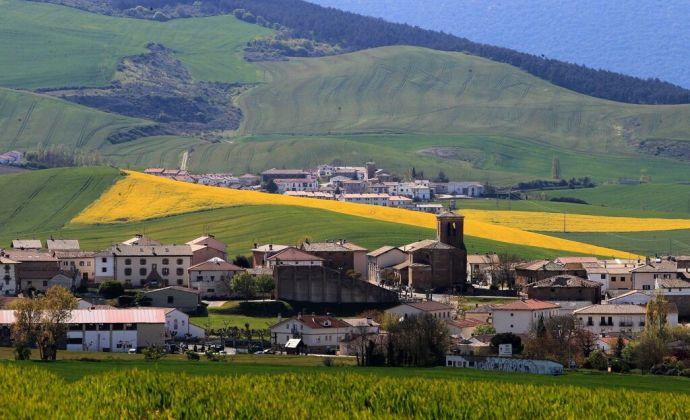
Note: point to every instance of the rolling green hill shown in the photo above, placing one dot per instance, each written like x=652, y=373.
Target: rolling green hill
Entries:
x=416, y=90
x=30, y=120
x=44, y=45
x=674, y=198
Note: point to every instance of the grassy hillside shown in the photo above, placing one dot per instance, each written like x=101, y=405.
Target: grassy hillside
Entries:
x=648, y=197
x=29, y=120
x=406, y=89
x=44, y=45
x=46, y=200
x=672, y=242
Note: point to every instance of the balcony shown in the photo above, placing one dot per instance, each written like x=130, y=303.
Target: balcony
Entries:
x=625, y=324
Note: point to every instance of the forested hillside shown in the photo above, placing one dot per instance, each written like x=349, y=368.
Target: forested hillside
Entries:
x=356, y=32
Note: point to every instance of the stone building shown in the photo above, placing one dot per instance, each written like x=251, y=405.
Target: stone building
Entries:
x=340, y=255
x=565, y=287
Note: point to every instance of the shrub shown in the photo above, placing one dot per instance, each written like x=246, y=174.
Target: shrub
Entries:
x=153, y=353
x=568, y=200
x=327, y=361
x=111, y=289
x=598, y=360
x=192, y=355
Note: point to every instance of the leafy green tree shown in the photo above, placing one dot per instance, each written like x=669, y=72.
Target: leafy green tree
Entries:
x=264, y=284
x=242, y=261
x=271, y=187
x=484, y=329
x=243, y=285
x=111, y=289
x=598, y=360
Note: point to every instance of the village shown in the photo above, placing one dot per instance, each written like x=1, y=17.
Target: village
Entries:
x=355, y=184
x=141, y=293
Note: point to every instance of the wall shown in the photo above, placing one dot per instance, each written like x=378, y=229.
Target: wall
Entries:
x=323, y=285
x=505, y=364
x=205, y=254
x=186, y=301
x=212, y=284
x=173, y=278
x=590, y=294
x=150, y=334
x=389, y=259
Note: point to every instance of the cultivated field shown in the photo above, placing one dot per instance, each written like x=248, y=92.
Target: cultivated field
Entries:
x=41, y=201
x=334, y=393
x=416, y=90
x=45, y=45
x=139, y=197
x=28, y=121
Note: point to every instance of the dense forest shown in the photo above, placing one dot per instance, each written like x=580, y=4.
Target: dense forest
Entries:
x=354, y=32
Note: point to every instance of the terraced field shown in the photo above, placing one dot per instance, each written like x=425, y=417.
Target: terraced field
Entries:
x=45, y=45
x=28, y=121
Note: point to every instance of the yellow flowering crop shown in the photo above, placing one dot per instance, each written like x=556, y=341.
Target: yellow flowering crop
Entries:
x=139, y=197
x=553, y=222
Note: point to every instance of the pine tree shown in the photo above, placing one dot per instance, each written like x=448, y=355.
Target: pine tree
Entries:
x=556, y=168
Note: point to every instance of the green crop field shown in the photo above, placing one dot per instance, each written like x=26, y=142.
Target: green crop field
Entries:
x=46, y=200
x=162, y=391
x=43, y=202
x=673, y=198
x=44, y=45
x=28, y=121
x=671, y=242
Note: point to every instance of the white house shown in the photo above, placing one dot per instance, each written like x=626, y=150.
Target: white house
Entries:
x=293, y=256
x=633, y=297
x=367, y=198
x=178, y=327
x=382, y=258
x=211, y=278
x=317, y=332
x=518, y=317
x=297, y=184
x=8, y=276
x=467, y=189
x=617, y=318
x=437, y=309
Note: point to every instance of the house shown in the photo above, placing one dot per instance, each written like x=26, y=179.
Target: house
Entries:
x=399, y=201
x=478, y=345
x=482, y=313
x=608, y=343
x=66, y=280
x=632, y=297
x=439, y=264
x=382, y=259
x=27, y=244
x=534, y=271
x=182, y=298
x=291, y=256
x=480, y=266
x=611, y=277
x=436, y=309
x=463, y=327
x=676, y=291
x=373, y=199
x=645, y=277
x=351, y=186
x=505, y=364
x=249, y=180
x=145, y=265
x=206, y=247
x=261, y=253
x=8, y=274
x=618, y=318
x=178, y=327
x=274, y=174
x=211, y=278
x=109, y=330
x=517, y=317
x=35, y=269
x=141, y=240
x=466, y=189
x=79, y=263
x=429, y=208
x=63, y=245
x=363, y=331
x=340, y=255
x=296, y=184
x=321, y=195
x=363, y=325
x=565, y=287
x=318, y=333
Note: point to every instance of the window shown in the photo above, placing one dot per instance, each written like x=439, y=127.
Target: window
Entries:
x=179, y=282
x=613, y=279
x=128, y=261
x=646, y=287
x=104, y=270
x=211, y=290
x=142, y=271
x=45, y=284
x=76, y=340
x=165, y=271
x=104, y=260
x=610, y=320
x=171, y=299
x=199, y=278
x=81, y=263
x=603, y=276
x=128, y=271
x=142, y=261
x=511, y=314
x=166, y=261
x=590, y=322
x=179, y=261
x=180, y=271
x=118, y=327
x=213, y=278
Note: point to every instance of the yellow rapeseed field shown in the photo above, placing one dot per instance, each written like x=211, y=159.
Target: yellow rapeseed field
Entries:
x=139, y=197
x=554, y=222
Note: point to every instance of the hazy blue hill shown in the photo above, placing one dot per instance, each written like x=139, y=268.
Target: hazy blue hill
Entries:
x=644, y=38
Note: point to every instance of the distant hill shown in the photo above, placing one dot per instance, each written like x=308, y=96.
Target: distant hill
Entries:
x=644, y=38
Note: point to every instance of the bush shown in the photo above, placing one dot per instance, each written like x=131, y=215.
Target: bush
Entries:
x=192, y=355
x=327, y=361
x=685, y=372
x=568, y=200
x=153, y=353
x=506, y=338
x=111, y=289
x=598, y=360
x=619, y=366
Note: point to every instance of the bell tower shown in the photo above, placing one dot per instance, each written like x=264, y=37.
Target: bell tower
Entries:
x=450, y=229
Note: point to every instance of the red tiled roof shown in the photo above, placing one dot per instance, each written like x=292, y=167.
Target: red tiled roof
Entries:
x=293, y=254
x=526, y=305
x=430, y=305
x=318, y=321
x=215, y=264
x=466, y=323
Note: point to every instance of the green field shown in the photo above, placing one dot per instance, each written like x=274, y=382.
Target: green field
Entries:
x=45, y=45
x=671, y=242
x=260, y=387
x=673, y=198
x=42, y=201
x=416, y=90
x=28, y=121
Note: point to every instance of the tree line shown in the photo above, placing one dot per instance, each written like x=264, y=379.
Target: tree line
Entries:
x=355, y=32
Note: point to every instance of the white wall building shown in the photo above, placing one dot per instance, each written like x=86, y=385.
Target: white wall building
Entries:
x=178, y=327
x=317, y=332
x=8, y=276
x=296, y=184
x=436, y=309
x=617, y=318
x=518, y=317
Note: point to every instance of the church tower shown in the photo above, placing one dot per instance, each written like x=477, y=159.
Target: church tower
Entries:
x=450, y=229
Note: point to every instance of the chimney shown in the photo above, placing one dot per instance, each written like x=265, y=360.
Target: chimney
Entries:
x=256, y=245
x=270, y=247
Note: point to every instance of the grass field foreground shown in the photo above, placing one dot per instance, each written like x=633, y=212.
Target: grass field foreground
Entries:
x=332, y=394
x=140, y=197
